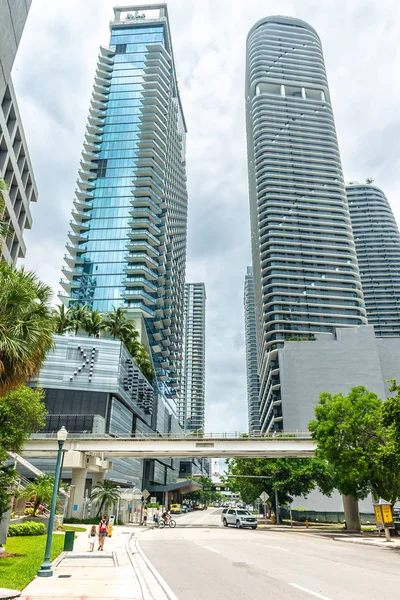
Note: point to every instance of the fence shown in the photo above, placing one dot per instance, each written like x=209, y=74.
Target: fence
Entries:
x=315, y=516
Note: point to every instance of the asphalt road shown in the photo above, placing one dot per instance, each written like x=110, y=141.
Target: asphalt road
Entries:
x=213, y=563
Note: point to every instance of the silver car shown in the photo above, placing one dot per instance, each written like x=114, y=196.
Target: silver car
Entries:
x=238, y=517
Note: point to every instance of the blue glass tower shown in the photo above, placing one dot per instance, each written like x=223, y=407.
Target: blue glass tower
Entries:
x=127, y=243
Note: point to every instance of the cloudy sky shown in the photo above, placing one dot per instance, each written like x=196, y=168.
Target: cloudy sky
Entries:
x=53, y=76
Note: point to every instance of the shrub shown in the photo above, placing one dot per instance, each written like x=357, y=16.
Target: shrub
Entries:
x=29, y=512
x=27, y=528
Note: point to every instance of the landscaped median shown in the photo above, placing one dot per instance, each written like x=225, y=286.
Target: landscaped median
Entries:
x=28, y=550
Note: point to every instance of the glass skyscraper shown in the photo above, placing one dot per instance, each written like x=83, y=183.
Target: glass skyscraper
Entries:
x=253, y=383
x=306, y=277
x=191, y=406
x=127, y=244
x=377, y=240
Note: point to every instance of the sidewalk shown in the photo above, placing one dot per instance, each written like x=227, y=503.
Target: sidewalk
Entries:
x=96, y=575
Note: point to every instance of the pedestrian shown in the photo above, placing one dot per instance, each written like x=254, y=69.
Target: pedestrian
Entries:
x=145, y=516
x=92, y=538
x=103, y=529
x=156, y=516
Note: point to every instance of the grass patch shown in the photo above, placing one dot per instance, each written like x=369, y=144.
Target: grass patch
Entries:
x=17, y=571
x=71, y=528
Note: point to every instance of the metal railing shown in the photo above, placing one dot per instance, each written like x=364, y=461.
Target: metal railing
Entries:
x=180, y=436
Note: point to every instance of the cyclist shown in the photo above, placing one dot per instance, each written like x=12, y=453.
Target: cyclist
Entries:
x=166, y=516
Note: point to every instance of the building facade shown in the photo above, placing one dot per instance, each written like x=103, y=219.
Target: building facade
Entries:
x=191, y=408
x=93, y=386
x=127, y=244
x=253, y=382
x=377, y=240
x=15, y=165
x=13, y=15
x=306, y=277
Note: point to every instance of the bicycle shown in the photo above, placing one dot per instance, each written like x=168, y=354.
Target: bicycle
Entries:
x=170, y=522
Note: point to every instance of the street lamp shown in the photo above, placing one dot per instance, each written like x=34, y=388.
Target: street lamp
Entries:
x=45, y=569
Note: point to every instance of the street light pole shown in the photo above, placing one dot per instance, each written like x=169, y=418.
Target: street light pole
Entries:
x=45, y=569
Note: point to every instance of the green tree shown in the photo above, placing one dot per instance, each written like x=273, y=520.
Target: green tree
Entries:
x=26, y=325
x=118, y=326
x=93, y=323
x=78, y=317
x=62, y=318
x=7, y=479
x=288, y=476
x=350, y=435
x=142, y=359
x=3, y=225
x=208, y=492
x=39, y=491
x=22, y=412
x=105, y=494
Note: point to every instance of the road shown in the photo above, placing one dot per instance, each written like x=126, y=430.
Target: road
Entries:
x=203, y=561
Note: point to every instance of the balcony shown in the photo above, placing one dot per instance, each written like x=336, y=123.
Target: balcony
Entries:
x=147, y=299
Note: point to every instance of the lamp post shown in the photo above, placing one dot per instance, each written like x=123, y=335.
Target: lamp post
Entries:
x=45, y=569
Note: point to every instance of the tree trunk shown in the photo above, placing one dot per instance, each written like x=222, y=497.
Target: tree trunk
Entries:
x=351, y=513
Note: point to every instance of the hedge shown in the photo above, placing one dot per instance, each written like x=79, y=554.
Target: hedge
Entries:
x=27, y=528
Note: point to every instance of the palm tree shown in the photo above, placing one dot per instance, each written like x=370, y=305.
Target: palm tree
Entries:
x=26, y=325
x=78, y=317
x=141, y=358
x=93, y=323
x=115, y=322
x=39, y=491
x=62, y=318
x=106, y=493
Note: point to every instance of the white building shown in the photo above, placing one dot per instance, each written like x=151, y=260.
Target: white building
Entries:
x=306, y=277
x=191, y=409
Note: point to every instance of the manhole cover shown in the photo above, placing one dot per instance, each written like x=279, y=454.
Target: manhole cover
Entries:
x=64, y=576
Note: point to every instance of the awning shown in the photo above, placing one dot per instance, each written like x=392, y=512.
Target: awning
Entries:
x=184, y=487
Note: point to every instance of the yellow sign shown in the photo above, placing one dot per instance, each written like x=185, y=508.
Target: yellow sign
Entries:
x=378, y=516
x=387, y=514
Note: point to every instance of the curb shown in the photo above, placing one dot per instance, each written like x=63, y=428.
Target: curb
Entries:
x=163, y=584
x=139, y=576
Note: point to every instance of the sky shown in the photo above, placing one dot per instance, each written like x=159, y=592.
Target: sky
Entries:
x=53, y=76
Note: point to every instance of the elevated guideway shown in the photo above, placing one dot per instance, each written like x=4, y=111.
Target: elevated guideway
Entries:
x=221, y=445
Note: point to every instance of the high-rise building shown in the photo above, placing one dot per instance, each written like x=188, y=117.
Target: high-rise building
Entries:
x=377, y=240
x=15, y=165
x=306, y=277
x=191, y=408
x=13, y=16
x=127, y=243
x=253, y=383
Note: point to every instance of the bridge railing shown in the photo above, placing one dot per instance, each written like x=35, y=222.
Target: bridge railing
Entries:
x=179, y=436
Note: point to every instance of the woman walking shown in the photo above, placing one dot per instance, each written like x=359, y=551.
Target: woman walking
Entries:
x=103, y=528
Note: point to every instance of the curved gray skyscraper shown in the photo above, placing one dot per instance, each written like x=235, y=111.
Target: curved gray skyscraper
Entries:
x=306, y=277
x=377, y=241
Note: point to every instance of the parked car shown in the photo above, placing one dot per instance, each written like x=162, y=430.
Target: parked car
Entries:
x=184, y=508
x=175, y=509
x=199, y=507
x=238, y=517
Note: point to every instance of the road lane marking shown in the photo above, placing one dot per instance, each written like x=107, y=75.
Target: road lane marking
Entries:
x=275, y=547
x=210, y=549
x=303, y=589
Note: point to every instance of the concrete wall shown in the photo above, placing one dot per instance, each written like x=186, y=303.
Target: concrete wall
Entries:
x=389, y=356
x=333, y=363
x=13, y=14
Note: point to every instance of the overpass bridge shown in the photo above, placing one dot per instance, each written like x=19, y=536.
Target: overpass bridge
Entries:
x=93, y=453
x=220, y=445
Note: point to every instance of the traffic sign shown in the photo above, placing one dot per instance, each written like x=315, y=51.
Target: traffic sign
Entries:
x=264, y=497
x=145, y=494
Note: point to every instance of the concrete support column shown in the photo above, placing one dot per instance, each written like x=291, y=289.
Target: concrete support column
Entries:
x=96, y=478
x=78, y=484
x=351, y=513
